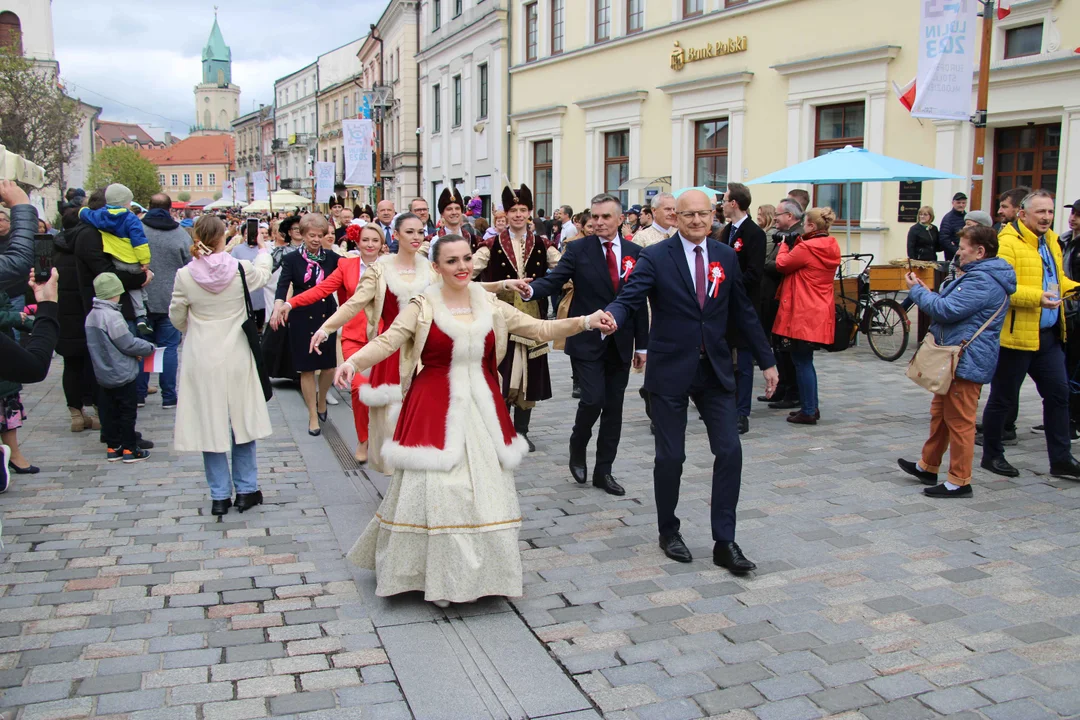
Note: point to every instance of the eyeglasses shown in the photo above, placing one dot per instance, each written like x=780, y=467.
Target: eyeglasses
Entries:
x=691, y=214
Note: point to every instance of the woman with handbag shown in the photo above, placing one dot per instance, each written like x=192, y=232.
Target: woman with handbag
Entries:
x=221, y=404
x=967, y=313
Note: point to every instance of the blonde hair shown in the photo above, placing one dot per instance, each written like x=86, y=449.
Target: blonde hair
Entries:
x=499, y=215
x=209, y=232
x=372, y=227
x=769, y=213
x=821, y=218
x=313, y=221
x=927, y=209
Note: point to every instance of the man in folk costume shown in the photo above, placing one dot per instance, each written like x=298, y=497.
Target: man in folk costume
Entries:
x=452, y=214
x=517, y=254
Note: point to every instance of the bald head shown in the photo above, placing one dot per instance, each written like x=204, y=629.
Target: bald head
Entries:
x=385, y=211
x=694, y=213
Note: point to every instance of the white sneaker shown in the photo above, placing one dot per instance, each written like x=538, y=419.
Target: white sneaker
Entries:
x=331, y=399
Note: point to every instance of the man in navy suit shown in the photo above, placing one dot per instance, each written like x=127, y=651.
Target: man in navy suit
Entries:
x=600, y=266
x=695, y=288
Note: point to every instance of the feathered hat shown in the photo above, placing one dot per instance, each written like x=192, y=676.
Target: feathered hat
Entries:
x=450, y=196
x=521, y=196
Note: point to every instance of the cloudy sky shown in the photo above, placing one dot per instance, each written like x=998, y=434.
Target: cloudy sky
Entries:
x=140, y=60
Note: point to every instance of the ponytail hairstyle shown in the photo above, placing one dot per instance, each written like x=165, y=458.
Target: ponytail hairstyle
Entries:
x=209, y=234
x=821, y=218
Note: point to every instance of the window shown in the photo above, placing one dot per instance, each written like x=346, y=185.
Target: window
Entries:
x=286, y=96
x=482, y=111
x=173, y=180
x=1027, y=156
x=617, y=163
x=530, y=32
x=326, y=110
x=335, y=109
x=692, y=8
x=601, y=20
x=1023, y=41
x=213, y=179
x=734, y=3
x=542, y=174
x=305, y=86
x=436, y=109
x=436, y=20
x=457, y=7
x=161, y=179
x=303, y=124
x=635, y=16
x=333, y=156
x=187, y=180
x=711, y=153
x=837, y=127
x=11, y=32
x=457, y=101
x=198, y=179
x=558, y=22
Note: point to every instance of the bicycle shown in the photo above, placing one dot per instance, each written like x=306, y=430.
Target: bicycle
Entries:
x=882, y=320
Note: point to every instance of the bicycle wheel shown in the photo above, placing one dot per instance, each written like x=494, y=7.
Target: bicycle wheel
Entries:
x=887, y=328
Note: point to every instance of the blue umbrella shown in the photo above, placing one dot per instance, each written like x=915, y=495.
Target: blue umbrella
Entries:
x=707, y=190
x=853, y=165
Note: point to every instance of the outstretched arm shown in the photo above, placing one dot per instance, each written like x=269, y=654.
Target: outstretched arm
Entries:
x=635, y=291
x=386, y=344
x=555, y=279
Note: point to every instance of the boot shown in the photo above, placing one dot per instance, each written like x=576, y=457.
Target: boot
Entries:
x=89, y=421
x=521, y=425
x=78, y=422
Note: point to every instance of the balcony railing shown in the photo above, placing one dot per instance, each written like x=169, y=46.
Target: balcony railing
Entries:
x=278, y=144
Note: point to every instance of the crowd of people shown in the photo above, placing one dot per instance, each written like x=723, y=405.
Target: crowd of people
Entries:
x=440, y=331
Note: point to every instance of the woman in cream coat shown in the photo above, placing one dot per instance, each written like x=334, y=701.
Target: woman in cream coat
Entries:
x=220, y=405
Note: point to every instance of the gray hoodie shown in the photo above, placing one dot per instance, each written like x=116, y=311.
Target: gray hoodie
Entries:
x=114, y=351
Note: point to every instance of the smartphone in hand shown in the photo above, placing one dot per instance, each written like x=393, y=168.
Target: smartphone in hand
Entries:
x=252, y=231
x=43, y=256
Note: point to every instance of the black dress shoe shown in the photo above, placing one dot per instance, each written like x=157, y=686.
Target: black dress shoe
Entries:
x=940, y=491
x=608, y=484
x=674, y=547
x=999, y=466
x=744, y=424
x=532, y=446
x=1069, y=470
x=578, y=468
x=220, y=507
x=323, y=415
x=912, y=469
x=763, y=398
x=246, y=501
x=784, y=404
x=314, y=433
x=28, y=470
x=729, y=555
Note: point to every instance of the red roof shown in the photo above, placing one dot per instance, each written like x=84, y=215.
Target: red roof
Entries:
x=199, y=150
x=116, y=132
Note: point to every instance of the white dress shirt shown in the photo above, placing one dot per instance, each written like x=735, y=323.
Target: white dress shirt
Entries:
x=616, y=247
x=691, y=259
x=735, y=224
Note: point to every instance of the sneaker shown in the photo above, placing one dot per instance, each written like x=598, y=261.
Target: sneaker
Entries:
x=169, y=406
x=144, y=329
x=114, y=454
x=134, y=456
x=141, y=404
x=5, y=476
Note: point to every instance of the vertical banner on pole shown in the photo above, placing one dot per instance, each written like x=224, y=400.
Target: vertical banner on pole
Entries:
x=948, y=41
x=240, y=190
x=324, y=181
x=260, y=186
x=358, y=146
x=227, y=192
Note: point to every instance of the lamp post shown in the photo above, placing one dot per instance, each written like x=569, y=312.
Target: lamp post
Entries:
x=379, y=136
x=978, y=163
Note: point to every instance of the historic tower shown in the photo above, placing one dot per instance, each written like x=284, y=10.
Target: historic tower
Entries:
x=217, y=100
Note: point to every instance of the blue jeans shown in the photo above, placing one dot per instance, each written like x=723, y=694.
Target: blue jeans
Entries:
x=807, y=377
x=168, y=337
x=744, y=382
x=245, y=473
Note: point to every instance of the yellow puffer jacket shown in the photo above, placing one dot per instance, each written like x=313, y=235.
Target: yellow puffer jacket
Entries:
x=1019, y=247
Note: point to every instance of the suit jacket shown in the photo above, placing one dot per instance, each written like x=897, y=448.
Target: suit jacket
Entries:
x=680, y=326
x=751, y=246
x=585, y=263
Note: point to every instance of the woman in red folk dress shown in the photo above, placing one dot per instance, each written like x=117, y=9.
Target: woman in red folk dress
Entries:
x=448, y=525
x=354, y=335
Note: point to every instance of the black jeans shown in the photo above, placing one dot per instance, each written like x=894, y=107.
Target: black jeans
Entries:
x=118, y=410
x=1046, y=366
x=80, y=387
x=603, y=387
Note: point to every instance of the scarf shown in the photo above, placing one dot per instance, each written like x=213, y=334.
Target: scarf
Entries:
x=159, y=219
x=314, y=269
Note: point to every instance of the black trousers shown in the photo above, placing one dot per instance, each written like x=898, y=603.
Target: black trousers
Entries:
x=717, y=408
x=603, y=387
x=118, y=410
x=80, y=386
x=1046, y=366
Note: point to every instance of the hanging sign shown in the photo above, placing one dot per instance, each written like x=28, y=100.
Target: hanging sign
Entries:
x=358, y=144
x=240, y=189
x=948, y=41
x=260, y=186
x=324, y=181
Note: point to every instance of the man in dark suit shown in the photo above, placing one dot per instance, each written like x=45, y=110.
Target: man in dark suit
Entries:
x=600, y=266
x=743, y=235
x=695, y=289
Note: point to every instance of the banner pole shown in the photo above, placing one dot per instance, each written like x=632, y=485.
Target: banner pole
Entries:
x=978, y=162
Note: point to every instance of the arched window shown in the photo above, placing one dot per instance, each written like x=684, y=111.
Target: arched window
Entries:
x=206, y=120
x=10, y=31
x=223, y=121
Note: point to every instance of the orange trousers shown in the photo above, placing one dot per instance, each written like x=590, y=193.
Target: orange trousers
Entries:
x=360, y=410
x=952, y=428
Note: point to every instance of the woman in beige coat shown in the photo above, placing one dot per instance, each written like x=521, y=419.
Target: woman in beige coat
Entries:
x=220, y=404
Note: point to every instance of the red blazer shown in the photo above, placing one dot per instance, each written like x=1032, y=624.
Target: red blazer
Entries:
x=343, y=281
x=806, y=292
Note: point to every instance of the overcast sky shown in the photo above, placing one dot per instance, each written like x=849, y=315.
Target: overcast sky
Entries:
x=140, y=60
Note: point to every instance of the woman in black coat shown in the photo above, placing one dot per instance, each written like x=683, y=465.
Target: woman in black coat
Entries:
x=78, y=379
x=300, y=271
x=922, y=238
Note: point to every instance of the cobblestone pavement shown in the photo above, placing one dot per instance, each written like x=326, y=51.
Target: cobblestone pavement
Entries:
x=121, y=597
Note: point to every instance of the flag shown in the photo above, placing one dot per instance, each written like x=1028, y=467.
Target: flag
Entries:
x=1004, y=9
x=155, y=361
x=906, y=94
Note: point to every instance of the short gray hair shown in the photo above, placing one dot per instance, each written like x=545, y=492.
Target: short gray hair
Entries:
x=791, y=206
x=606, y=198
x=660, y=197
x=1034, y=194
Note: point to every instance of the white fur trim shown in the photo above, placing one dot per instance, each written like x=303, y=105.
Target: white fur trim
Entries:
x=380, y=396
x=403, y=289
x=467, y=382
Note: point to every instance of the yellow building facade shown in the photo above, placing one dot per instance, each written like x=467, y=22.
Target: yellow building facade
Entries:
x=610, y=93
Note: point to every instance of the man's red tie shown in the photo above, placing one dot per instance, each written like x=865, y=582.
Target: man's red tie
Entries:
x=699, y=276
x=612, y=266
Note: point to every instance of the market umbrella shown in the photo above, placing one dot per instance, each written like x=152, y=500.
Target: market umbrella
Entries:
x=219, y=203
x=707, y=190
x=852, y=165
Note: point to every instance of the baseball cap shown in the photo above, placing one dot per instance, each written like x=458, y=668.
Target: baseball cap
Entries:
x=959, y=196
x=1075, y=207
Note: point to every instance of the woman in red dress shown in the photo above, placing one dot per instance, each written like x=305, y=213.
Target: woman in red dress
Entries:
x=448, y=525
x=354, y=335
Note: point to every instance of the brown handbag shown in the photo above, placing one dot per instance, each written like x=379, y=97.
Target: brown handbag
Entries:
x=933, y=366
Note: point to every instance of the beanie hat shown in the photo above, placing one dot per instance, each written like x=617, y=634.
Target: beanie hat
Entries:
x=981, y=217
x=107, y=286
x=117, y=194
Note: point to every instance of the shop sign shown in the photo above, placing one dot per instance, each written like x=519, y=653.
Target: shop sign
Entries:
x=680, y=55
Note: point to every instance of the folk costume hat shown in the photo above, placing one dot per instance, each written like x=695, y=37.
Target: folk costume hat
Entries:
x=450, y=196
x=521, y=196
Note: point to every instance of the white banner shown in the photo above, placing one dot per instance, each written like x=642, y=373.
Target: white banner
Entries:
x=948, y=41
x=324, y=181
x=241, y=190
x=358, y=146
x=260, y=186
x=227, y=192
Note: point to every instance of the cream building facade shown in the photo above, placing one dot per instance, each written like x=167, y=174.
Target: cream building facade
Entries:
x=340, y=89
x=705, y=92
x=296, y=123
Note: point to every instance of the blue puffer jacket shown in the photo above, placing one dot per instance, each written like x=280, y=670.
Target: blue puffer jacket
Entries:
x=962, y=306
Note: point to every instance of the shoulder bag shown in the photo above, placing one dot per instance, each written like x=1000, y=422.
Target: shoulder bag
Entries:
x=933, y=366
x=251, y=332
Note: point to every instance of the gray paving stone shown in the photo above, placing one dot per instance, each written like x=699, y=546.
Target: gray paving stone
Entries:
x=787, y=686
x=130, y=701
x=953, y=700
x=893, y=687
x=735, y=698
x=793, y=709
x=110, y=684
x=302, y=702
x=1035, y=632
x=847, y=697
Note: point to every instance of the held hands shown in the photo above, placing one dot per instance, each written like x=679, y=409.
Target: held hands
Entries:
x=316, y=340
x=519, y=286
x=344, y=376
x=601, y=320
x=639, y=360
x=772, y=379
x=46, y=291
x=1050, y=300
x=280, y=316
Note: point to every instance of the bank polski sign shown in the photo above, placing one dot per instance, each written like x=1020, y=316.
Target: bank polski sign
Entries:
x=948, y=41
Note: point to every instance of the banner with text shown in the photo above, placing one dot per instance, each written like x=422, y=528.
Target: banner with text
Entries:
x=358, y=145
x=324, y=181
x=260, y=186
x=227, y=192
x=240, y=188
x=948, y=41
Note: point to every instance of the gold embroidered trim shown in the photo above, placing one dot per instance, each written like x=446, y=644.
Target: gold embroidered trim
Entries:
x=444, y=527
